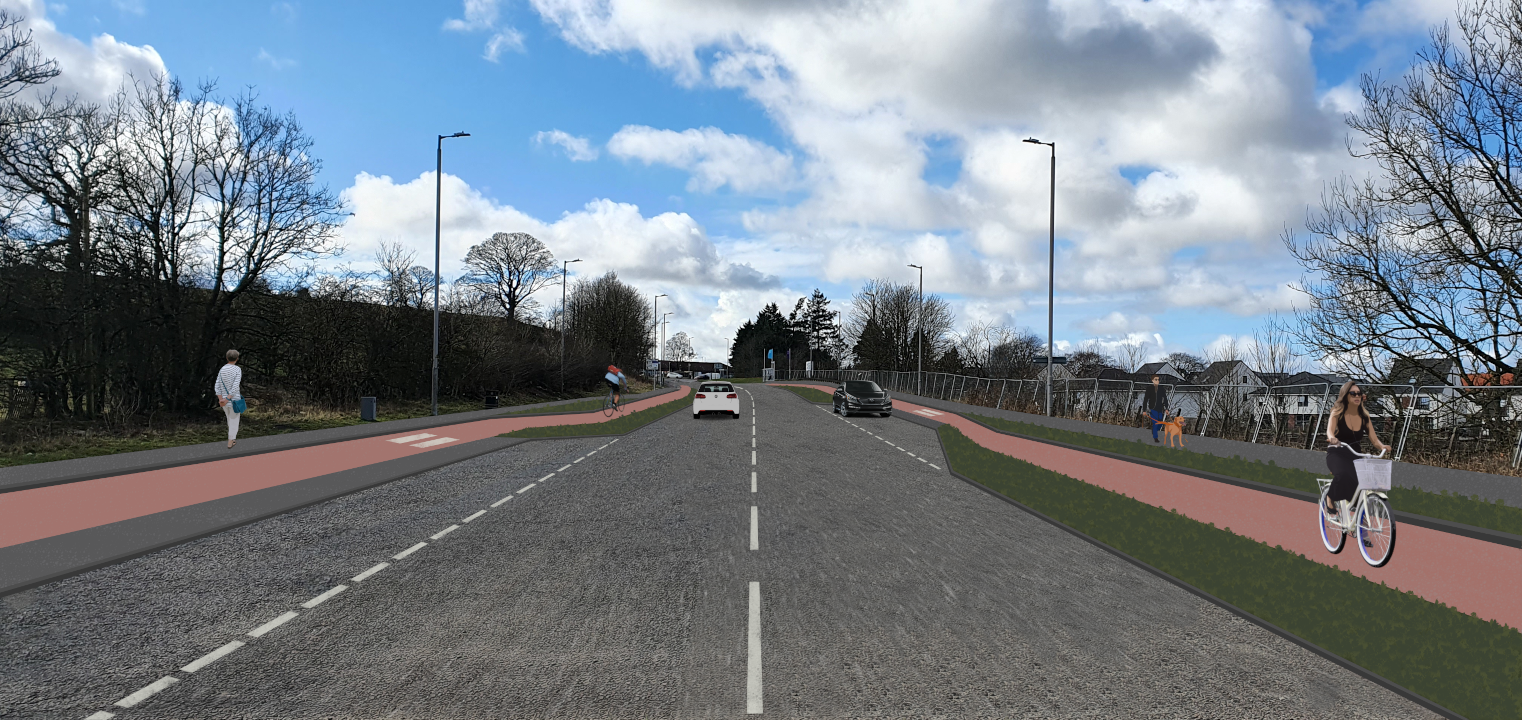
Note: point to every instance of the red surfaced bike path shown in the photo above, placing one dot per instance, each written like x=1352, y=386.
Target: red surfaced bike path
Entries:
x=1471, y=575
x=28, y=515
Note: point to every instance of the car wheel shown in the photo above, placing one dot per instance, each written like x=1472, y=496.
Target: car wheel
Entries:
x=695, y=416
x=887, y=414
x=737, y=416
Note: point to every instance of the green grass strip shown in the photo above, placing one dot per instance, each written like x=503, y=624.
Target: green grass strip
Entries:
x=1459, y=661
x=743, y=380
x=1443, y=505
x=616, y=426
x=588, y=405
x=809, y=394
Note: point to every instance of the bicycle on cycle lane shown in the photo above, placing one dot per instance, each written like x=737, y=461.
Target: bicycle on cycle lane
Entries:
x=1355, y=500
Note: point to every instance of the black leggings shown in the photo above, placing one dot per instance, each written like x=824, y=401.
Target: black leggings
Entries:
x=1344, y=475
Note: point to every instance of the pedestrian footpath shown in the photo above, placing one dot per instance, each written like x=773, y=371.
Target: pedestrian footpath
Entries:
x=53, y=531
x=1471, y=575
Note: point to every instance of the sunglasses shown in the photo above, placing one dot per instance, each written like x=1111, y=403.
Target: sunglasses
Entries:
x=1355, y=393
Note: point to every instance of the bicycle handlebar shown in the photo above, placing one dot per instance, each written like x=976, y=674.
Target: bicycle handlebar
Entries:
x=1355, y=452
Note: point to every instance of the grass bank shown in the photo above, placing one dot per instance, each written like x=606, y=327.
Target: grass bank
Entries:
x=1469, y=665
x=809, y=394
x=1441, y=505
x=616, y=426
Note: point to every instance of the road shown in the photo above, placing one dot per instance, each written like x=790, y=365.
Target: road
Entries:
x=622, y=586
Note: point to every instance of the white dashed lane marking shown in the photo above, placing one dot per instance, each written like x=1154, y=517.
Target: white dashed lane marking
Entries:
x=271, y=625
x=503, y=500
x=445, y=531
x=409, y=551
x=562, y=469
x=526, y=487
x=147, y=692
x=320, y=599
x=479, y=513
x=361, y=577
x=212, y=656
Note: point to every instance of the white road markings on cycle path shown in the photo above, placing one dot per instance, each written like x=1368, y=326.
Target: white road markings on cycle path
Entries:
x=212, y=656
x=411, y=438
x=438, y=441
x=409, y=551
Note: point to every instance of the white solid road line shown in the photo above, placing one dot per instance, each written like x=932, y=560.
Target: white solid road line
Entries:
x=526, y=487
x=755, y=538
x=320, y=599
x=753, y=659
x=271, y=625
x=445, y=531
x=361, y=577
x=437, y=441
x=410, y=550
x=412, y=438
x=479, y=513
x=753, y=481
x=147, y=692
x=212, y=656
x=562, y=469
x=546, y=477
x=503, y=500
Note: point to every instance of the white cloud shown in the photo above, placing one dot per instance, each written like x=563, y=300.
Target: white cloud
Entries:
x=131, y=7
x=285, y=11
x=714, y=157
x=502, y=41
x=95, y=71
x=1118, y=323
x=479, y=15
x=578, y=148
x=275, y=62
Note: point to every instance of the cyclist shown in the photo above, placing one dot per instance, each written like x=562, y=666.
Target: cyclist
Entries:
x=615, y=378
x=1345, y=429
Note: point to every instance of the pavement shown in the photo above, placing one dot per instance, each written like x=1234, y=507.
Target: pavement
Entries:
x=787, y=563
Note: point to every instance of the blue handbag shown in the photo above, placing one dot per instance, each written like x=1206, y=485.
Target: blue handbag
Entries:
x=239, y=405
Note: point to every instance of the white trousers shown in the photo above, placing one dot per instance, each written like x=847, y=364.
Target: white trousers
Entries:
x=232, y=421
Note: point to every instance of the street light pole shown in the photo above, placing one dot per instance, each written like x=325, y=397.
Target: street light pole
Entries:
x=1051, y=271
x=919, y=336
x=438, y=199
x=563, y=267
x=655, y=326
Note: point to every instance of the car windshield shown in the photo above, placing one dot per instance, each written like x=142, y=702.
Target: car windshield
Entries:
x=863, y=387
x=716, y=388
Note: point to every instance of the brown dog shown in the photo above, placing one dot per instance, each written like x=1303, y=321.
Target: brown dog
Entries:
x=1172, y=429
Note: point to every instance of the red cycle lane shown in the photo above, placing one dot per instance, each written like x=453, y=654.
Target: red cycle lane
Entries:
x=28, y=515
x=1471, y=575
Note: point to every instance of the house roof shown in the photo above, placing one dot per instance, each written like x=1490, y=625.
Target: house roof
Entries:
x=1218, y=372
x=1429, y=371
x=1485, y=379
x=1300, y=379
x=1153, y=368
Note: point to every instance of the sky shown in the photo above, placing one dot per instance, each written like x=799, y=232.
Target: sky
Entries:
x=731, y=153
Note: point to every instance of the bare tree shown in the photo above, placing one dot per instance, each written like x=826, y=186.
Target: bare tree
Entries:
x=1423, y=261
x=511, y=267
x=1224, y=351
x=396, y=282
x=884, y=321
x=21, y=66
x=1088, y=361
x=679, y=348
x=1186, y=363
x=1133, y=352
x=1272, y=351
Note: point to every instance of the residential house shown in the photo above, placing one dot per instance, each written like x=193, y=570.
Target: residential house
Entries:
x=1221, y=387
x=1303, y=399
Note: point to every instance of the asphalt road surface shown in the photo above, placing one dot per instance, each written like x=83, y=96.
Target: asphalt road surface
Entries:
x=654, y=577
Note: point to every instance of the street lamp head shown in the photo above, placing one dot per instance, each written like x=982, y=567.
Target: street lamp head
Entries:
x=1033, y=141
x=916, y=266
x=568, y=262
x=661, y=295
x=460, y=134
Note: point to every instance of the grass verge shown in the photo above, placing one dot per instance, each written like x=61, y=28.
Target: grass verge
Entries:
x=616, y=426
x=1441, y=505
x=809, y=394
x=1469, y=665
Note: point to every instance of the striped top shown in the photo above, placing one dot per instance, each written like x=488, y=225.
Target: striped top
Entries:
x=229, y=382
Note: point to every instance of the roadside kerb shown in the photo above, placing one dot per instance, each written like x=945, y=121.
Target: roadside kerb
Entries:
x=27, y=477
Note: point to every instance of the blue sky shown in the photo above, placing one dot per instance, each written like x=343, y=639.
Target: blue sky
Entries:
x=833, y=155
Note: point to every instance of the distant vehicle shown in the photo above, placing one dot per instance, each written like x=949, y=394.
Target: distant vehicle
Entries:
x=700, y=376
x=673, y=374
x=716, y=397
x=862, y=396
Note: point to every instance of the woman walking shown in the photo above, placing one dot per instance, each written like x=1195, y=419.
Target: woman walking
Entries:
x=229, y=386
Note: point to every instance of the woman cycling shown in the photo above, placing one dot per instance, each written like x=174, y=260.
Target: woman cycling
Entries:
x=1346, y=428
x=615, y=379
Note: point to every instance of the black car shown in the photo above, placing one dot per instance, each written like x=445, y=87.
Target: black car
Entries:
x=862, y=396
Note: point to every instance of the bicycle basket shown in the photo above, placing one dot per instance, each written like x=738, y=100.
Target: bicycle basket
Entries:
x=1373, y=473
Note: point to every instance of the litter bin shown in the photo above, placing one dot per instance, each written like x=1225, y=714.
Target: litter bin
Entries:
x=491, y=399
x=367, y=409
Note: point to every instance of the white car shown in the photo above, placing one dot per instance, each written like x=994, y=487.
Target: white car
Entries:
x=673, y=374
x=716, y=397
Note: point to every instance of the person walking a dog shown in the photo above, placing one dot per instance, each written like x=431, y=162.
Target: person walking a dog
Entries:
x=1156, y=404
x=230, y=396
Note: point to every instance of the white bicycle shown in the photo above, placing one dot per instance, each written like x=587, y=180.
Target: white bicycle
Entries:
x=1367, y=517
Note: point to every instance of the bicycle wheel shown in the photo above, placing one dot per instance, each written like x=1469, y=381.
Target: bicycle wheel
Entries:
x=1331, y=532
x=1376, y=532
x=608, y=406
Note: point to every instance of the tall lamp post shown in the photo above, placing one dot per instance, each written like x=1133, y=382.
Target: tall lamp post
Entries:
x=661, y=355
x=919, y=336
x=563, y=267
x=1050, y=271
x=655, y=327
x=438, y=199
